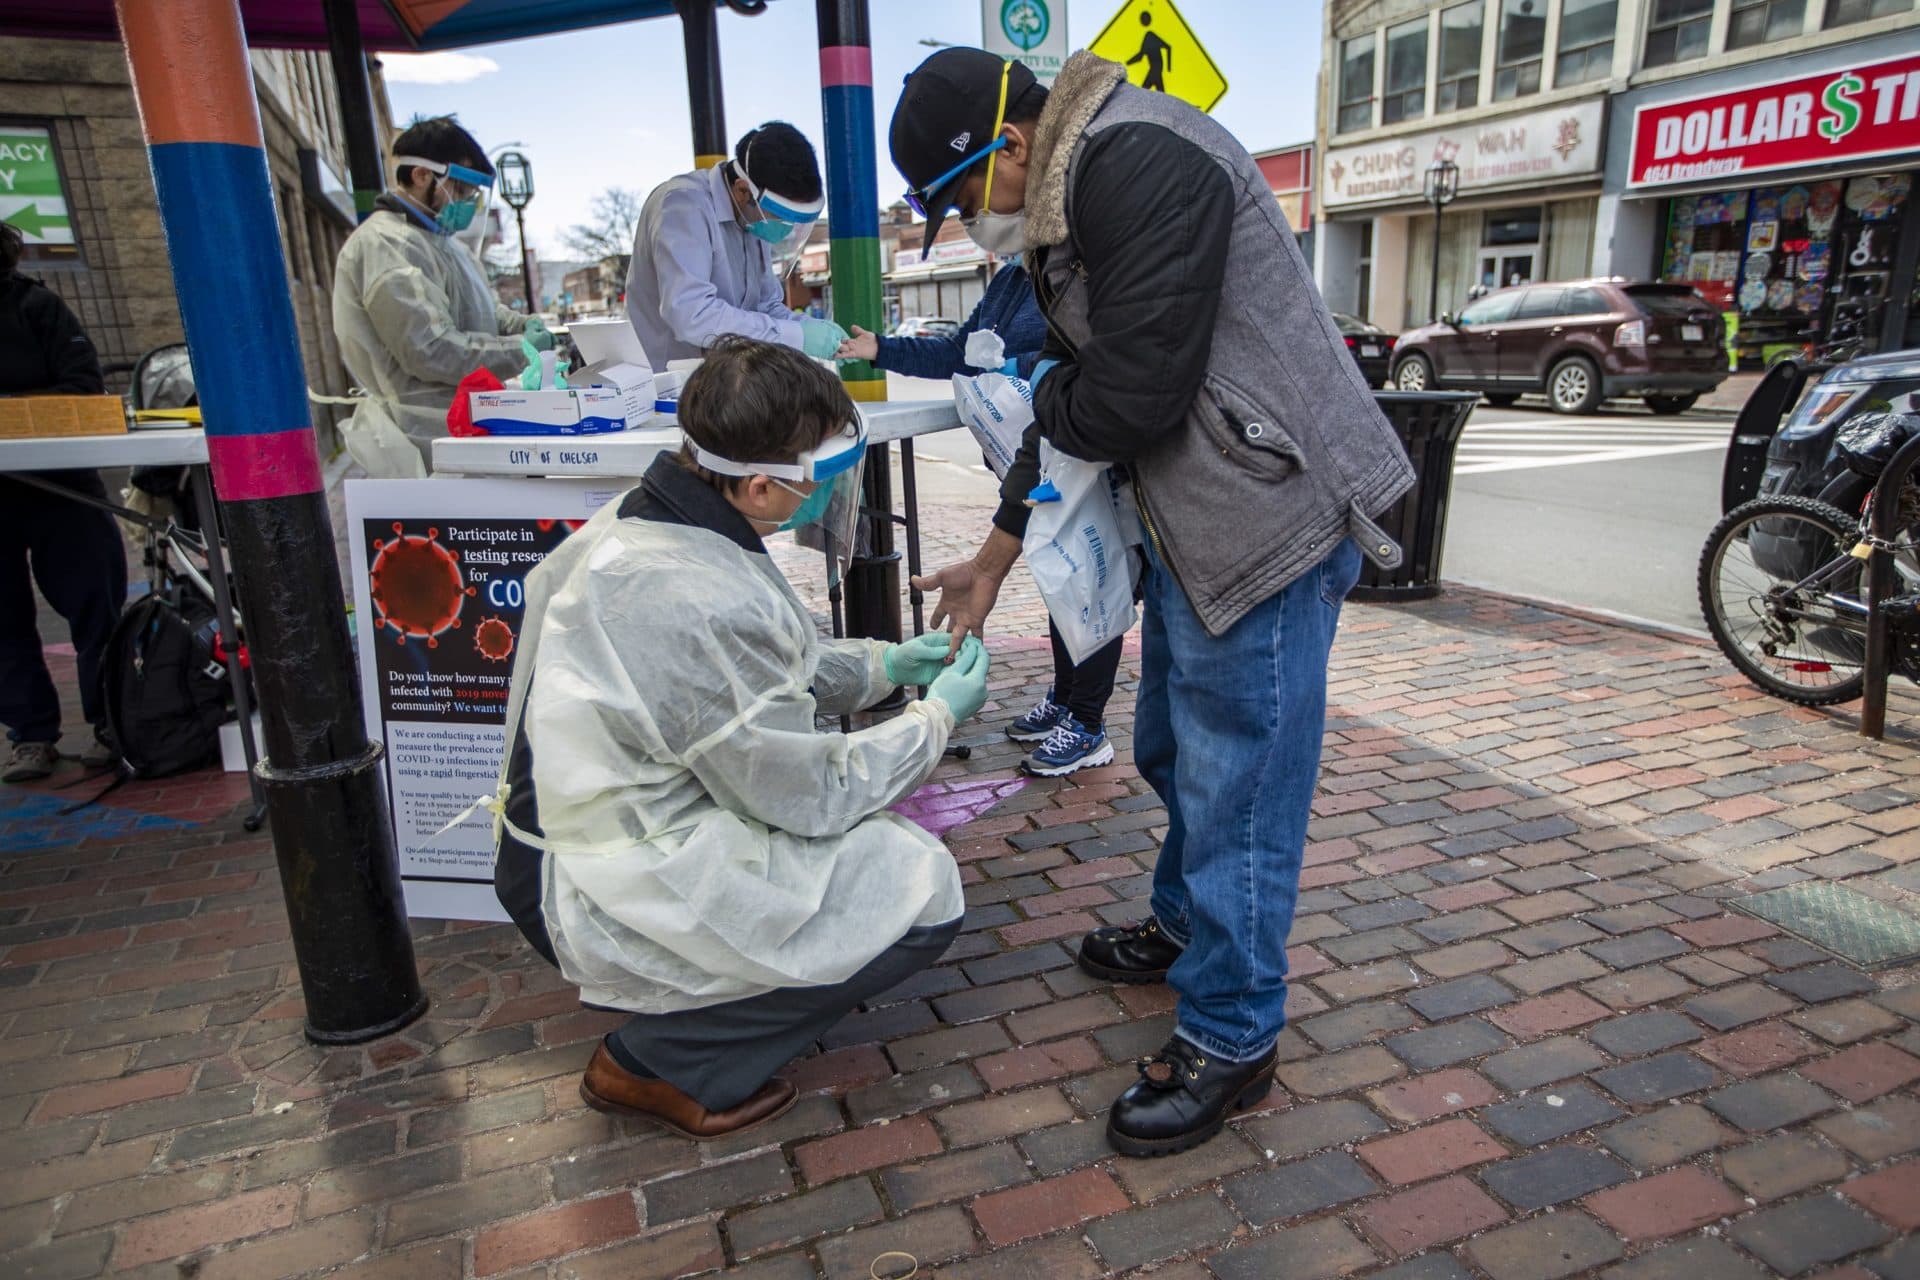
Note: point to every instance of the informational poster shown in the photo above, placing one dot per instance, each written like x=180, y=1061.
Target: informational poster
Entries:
x=439, y=589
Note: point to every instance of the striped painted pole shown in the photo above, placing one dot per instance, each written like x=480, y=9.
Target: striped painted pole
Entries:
x=853, y=210
x=321, y=775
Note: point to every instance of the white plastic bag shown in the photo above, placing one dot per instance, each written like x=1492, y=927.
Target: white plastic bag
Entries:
x=997, y=410
x=986, y=349
x=1078, y=549
x=379, y=446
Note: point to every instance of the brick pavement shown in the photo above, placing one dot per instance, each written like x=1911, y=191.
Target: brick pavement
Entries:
x=1529, y=1040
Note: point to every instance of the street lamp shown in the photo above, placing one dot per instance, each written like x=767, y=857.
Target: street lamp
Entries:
x=515, y=174
x=1443, y=184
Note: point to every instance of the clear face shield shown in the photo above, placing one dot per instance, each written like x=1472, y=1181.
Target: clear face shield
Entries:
x=828, y=479
x=465, y=194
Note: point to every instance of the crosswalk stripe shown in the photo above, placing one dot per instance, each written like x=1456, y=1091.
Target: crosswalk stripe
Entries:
x=1481, y=465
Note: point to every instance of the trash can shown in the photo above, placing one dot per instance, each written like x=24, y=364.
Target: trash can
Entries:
x=1429, y=424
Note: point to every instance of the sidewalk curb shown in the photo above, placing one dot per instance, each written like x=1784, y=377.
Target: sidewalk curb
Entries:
x=1585, y=613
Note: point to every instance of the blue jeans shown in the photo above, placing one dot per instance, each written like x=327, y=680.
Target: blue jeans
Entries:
x=1228, y=732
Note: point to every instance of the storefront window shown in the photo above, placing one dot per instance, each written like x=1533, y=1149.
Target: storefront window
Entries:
x=1406, y=97
x=1758, y=21
x=1523, y=39
x=1800, y=264
x=1842, y=12
x=1363, y=307
x=1460, y=29
x=1586, y=42
x=1356, y=84
x=1677, y=31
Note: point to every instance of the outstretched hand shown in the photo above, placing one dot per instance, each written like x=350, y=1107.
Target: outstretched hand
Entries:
x=863, y=345
x=967, y=596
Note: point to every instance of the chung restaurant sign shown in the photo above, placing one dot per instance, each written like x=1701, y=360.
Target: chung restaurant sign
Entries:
x=1507, y=151
x=1854, y=113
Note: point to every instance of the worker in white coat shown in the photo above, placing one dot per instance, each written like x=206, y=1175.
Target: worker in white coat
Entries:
x=675, y=833
x=704, y=249
x=411, y=309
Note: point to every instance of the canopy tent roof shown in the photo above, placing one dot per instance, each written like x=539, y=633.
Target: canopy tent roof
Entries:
x=386, y=26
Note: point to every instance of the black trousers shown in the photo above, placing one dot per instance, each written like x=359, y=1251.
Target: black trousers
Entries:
x=721, y=1054
x=1086, y=689
x=75, y=553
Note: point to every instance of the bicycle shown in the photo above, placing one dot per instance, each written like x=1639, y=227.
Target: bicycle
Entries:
x=1783, y=584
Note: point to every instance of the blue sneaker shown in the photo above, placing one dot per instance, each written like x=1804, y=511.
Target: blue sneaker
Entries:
x=1038, y=724
x=1068, y=748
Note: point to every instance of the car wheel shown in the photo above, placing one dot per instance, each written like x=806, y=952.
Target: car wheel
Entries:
x=1573, y=386
x=1502, y=399
x=1670, y=404
x=1413, y=374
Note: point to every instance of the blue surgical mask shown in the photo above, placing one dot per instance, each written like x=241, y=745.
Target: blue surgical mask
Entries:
x=772, y=230
x=812, y=506
x=456, y=216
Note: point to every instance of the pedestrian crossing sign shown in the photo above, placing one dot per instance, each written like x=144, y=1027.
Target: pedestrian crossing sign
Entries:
x=1159, y=50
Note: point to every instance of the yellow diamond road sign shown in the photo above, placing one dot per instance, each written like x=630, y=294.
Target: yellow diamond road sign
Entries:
x=1160, y=51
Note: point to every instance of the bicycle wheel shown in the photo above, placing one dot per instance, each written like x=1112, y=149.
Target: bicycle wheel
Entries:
x=1805, y=644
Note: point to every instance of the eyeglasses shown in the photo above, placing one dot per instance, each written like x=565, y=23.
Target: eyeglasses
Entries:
x=917, y=197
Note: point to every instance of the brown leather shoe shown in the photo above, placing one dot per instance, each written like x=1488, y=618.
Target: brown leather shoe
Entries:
x=608, y=1086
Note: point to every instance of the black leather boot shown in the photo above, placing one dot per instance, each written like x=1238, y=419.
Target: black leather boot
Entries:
x=1129, y=953
x=1182, y=1098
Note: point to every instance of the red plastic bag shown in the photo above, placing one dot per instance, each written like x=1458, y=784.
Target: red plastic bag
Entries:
x=460, y=412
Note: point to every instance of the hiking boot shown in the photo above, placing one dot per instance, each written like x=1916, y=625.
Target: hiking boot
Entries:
x=1182, y=1098
x=30, y=762
x=608, y=1086
x=1129, y=953
x=1068, y=748
x=1038, y=724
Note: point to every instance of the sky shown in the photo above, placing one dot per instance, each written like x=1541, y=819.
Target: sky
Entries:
x=608, y=107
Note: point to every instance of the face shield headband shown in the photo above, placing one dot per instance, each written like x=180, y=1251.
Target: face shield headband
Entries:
x=835, y=465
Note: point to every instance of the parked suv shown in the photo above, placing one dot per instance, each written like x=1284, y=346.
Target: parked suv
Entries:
x=1580, y=342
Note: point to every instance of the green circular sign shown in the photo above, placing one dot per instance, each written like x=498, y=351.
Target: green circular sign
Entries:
x=1026, y=23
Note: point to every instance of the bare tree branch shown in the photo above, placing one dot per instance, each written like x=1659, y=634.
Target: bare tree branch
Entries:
x=616, y=213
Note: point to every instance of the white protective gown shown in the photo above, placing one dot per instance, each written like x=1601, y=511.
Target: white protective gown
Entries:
x=698, y=275
x=414, y=315
x=705, y=843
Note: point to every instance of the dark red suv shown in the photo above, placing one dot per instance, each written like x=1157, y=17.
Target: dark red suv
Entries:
x=1579, y=342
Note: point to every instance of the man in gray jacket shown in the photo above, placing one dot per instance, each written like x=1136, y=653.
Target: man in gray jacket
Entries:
x=1189, y=345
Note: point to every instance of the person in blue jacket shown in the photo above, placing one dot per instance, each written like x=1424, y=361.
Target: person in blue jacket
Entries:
x=1069, y=724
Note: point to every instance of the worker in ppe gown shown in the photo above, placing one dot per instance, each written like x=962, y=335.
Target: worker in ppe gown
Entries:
x=412, y=311
x=704, y=248
x=675, y=831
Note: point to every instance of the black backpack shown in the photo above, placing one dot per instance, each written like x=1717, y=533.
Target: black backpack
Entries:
x=163, y=684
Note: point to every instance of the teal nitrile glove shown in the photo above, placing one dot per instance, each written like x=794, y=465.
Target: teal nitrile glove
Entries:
x=963, y=686
x=1040, y=371
x=919, y=660
x=538, y=334
x=820, y=338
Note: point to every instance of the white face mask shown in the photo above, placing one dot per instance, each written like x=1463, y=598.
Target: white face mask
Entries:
x=1001, y=233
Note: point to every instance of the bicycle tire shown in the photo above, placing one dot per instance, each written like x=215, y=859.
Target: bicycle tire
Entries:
x=1843, y=531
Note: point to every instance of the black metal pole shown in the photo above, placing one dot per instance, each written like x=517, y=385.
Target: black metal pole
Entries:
x=1883, y=528
x=701, y=35
x=526, y=263
x=322, y=777
x=1433, y=287
x=356, y=103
